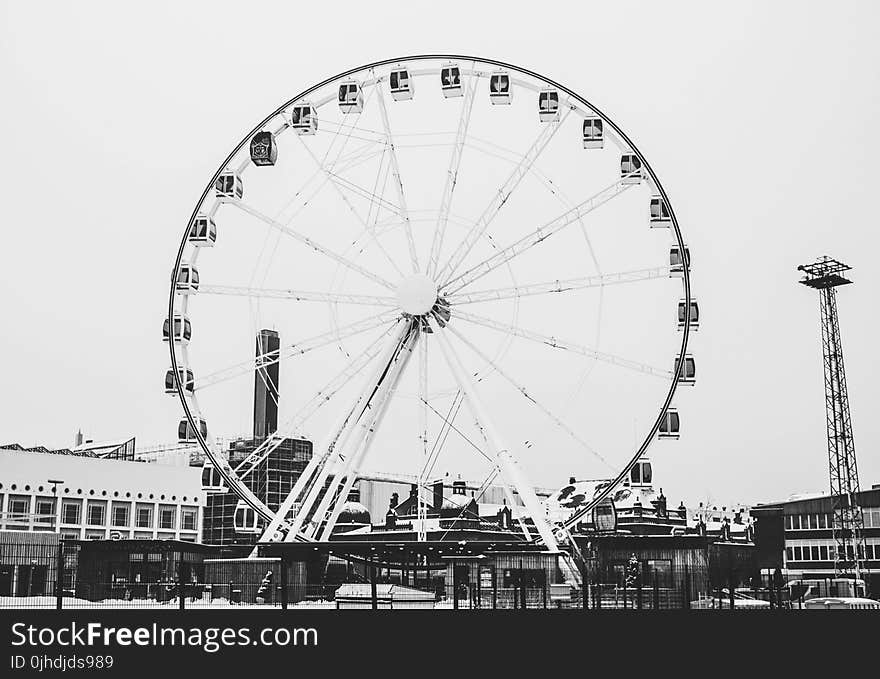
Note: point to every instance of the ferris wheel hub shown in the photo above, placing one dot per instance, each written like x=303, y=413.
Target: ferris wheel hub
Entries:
x=416, y=294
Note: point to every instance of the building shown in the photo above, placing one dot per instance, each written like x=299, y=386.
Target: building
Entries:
x=795, y=536
x=271, y=481
x=97, y=498
x=634, y=541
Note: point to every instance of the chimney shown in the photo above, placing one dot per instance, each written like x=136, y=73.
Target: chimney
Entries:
x=78, y=439
x=266, y=384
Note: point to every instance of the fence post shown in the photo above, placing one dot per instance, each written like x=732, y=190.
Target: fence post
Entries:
x=686, y=604
x=59, y=577
x=639, y=590
x=730, y=586
x=180, y=603
x=656, y=593
x=544, y=589
x=585, y=590
x=494, y=588
x=624, y=593
x=284, y=583
x=373, y=595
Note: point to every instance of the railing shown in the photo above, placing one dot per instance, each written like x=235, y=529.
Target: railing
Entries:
x=27, y=521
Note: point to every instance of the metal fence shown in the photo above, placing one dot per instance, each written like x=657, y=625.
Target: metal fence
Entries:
x=38, y=570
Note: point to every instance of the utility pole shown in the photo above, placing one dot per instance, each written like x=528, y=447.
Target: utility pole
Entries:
x=825, y=275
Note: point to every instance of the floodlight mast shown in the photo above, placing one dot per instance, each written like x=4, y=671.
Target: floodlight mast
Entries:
x=826, y=275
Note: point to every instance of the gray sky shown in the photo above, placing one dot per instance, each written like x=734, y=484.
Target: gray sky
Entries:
x=759, y=119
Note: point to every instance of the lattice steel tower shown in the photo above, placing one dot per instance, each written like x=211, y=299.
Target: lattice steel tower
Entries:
x=825, y=275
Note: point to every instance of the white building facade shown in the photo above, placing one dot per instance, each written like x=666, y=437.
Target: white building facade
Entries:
x=97, y=498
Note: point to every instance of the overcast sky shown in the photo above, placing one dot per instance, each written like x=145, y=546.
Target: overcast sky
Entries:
x=761, y=119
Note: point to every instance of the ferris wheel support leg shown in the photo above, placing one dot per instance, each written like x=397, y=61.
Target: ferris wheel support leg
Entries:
x=321, y=462
x=339, y=444
x=422, y=516
x=501, y=452
x=368, y=429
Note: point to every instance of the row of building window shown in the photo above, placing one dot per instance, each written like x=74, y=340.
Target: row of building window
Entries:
x=18, y=511
x=807, y=521
x=870, y=517
x=824, y=551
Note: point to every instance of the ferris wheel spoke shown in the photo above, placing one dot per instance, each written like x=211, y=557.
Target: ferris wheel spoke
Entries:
x=398, y=181
x=305, y=240
x=311, y=407
x=339, y=182
x=557, y=343
x=299, y=348
x=539, y=235
x=501, y=453
x=521, y=389
x=336, y=180
x=467, y=107
x=502, y=195
x=565, y=285
x=297, y=295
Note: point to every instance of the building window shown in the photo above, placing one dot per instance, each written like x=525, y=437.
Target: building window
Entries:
x=120, y=514
x=167, y=516
x=19, y=508
x=797, y=554
x=823, y=552
x=789, y=553
x=144, y=516
x=188, y=517
x=70, y=511
x=96, y=513
x=814, y=552
x=45, y=511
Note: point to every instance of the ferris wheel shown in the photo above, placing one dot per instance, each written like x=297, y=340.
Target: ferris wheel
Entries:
x=468, y=267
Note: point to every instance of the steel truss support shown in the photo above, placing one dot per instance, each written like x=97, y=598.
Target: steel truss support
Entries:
x=846, y=523
x=503, y=457
x=826, y=275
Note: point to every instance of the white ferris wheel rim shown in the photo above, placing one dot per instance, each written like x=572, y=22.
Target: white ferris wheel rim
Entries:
x=414, y=293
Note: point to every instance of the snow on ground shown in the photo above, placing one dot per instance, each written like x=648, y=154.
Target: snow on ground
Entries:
x=73, y=602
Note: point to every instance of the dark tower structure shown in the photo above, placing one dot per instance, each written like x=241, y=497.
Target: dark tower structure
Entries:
x=826, y=275
x=266, y=384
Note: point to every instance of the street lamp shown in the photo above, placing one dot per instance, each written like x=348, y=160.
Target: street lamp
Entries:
x=55, y=483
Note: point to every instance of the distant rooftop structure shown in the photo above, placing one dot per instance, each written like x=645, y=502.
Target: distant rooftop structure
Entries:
x=114, y=450
x=119, y=449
